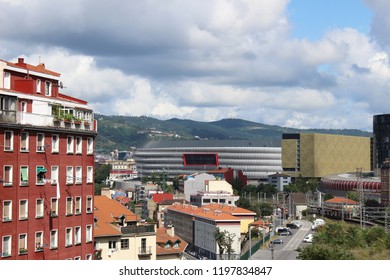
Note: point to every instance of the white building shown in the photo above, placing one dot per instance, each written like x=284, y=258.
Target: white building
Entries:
x=279, y=180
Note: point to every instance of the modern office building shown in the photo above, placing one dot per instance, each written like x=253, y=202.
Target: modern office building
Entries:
x=316, y=155
x=256, y=159
x=381, y=142
x=47, y=166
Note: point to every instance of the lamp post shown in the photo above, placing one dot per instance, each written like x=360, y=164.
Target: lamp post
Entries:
x=250, y=242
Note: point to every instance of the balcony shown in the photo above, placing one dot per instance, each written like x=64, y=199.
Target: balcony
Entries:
x=44, y=120
x=145, y=251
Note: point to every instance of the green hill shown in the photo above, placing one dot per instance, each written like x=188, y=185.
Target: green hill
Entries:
x=124, y=132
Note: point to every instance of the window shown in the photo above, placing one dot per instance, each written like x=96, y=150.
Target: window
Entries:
x=77, y=235
x=70, y=145
x=8, y=140
x=55, y=143
x=41, y=171
x=77, y=205
x=40, y=142
x=23, y=209
x=6, y=247
x=24, y=141
x=79, y=145
x=54, y=239
x=89, y=146
x=7, y=210
x=89, y=204
x=7, y=80
x=23, y=243
x=88, y=257
x=38, y=84
x=38, y=241
x=54, y=174
x=47, y=88
x=39, y=208
x=69, y=205
x=112, y=244
x=89, y=174
x=68, y=237
x=124, y=244
x=24, y=175
x=79, y=175
x=54, y=207
x=78, y=258
x=69, y=175
x=88, y=233
x=8, y=175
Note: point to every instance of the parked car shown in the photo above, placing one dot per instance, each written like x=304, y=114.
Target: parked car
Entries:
x=277, y=241
x=308, y=238
x=284, y=231
x=293, y=226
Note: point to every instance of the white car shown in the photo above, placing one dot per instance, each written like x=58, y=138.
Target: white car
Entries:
x=308, y=238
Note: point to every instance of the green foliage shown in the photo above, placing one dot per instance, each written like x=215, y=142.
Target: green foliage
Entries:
x=342, y=241
x=268, y=189
x=224, y=240
x=303, y=185
x=102, y=172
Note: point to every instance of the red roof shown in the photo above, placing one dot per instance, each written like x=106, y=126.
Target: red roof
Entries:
x=341, y=200
x=158, y=197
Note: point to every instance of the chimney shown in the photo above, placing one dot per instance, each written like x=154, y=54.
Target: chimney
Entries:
x=21, y=61
x=170, y=230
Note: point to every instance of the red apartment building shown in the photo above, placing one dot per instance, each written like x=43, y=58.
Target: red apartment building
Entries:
x=46, y=167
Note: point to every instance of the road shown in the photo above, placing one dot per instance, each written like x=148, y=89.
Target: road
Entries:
x=287, y=250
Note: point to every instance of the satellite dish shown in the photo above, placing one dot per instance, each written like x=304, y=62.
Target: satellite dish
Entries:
x=61, y=85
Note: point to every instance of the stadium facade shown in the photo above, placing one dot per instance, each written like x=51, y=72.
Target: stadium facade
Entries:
x=256, y=159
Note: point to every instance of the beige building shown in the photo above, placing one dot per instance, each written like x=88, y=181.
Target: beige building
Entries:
x=317, y=155
x=118, y=234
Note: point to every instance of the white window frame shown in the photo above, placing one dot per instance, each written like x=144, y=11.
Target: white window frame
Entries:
x=89, y=174
x=89, y=146
x=78, y=205
x=26, y=148
x=8, y=147
x=8, y=175
x=79, y=145
x=54, y=239
x=69, y=205
x=7, y=80
x=7, y=216
x=23, y=213
x=54, y=175
x=22, y=243
x=38, y=241
x=77, y=235
x=69, y=175
x=88, y=233
x=38, y=86
x=88, y=257
x=6, y=246
x=55, y=143
x=39, y=207
x=48, y=88
x=89, y=204
x=69, y=144
x=23, y=182
x=68, y=237
x=40, y=142
x=54, y=207
x=79, y=175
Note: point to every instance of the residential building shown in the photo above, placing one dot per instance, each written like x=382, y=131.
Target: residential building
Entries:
x=47, y=166
x=381, y=141
x=122, y=170
x=279, y=180
x=160, y=209
x=315, y=155
x=149, y=205
x=205, y=198
x=119, y=234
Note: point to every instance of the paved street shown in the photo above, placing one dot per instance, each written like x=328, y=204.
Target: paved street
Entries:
x=287, y=250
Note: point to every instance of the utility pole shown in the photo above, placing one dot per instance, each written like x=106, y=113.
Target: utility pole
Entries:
x=360, y=193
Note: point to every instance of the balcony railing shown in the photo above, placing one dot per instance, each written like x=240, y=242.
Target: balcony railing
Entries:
x=145, y=251
x=137, y=229
x=44, y=120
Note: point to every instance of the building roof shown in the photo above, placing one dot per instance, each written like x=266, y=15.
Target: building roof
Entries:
x=37, y=68
x=158, y=197
x=163, y=238
x=107, y=212
x=172, y=201
x=278, y=174
x=341, y=200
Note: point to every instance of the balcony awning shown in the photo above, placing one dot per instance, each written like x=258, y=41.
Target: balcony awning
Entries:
x=41, y=169
x=24, y=174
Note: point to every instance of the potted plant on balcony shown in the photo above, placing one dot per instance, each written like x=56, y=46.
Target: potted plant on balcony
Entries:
x=68, y=118
x=23, y=251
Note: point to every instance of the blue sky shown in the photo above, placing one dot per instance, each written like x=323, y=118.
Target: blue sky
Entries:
x=295, y=63
x=312, y=18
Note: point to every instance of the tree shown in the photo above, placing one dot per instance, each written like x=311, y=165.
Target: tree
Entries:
x=225, y=241
x=220, y=239
x=102, y=172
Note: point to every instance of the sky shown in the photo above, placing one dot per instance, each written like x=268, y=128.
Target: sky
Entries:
x=295, y=63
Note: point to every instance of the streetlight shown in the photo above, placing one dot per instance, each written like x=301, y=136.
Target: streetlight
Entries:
x=250, y=241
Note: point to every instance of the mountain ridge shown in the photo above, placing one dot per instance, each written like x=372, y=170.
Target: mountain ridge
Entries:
x=124, y=132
